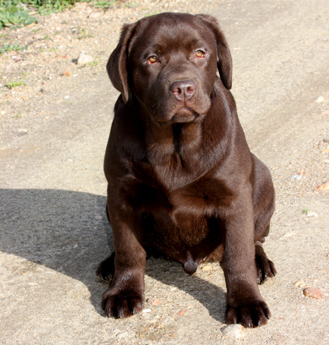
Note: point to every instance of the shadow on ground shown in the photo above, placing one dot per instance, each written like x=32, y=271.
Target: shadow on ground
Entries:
x=68, y=232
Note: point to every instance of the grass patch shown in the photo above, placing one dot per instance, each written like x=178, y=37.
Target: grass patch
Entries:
x=9, y=48
x=104, y=3
x=83, y=34
x=17, y=13
x=17, y=116
x=14, y=16
x=131, y=4
x=12, y=84
x=93, y=63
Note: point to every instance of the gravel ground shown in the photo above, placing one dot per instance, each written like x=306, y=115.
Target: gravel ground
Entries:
x=48, y=65
x=54, y=129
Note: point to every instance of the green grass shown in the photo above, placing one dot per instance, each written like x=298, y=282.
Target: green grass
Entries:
x=17, y=13
x=17, y=116
x=104, y=3
x=16, y=83
x=14, y=16
x=131, y=4
x=84, y=34
x=8, y=48
x=93, y=63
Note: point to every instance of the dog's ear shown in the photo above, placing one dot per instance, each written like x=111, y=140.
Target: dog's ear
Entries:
x=117, y=64
x=224, y=62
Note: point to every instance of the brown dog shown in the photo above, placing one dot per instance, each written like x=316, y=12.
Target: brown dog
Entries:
x=182, y=183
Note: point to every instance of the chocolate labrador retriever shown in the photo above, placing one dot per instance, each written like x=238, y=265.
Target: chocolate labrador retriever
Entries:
x=182, y=183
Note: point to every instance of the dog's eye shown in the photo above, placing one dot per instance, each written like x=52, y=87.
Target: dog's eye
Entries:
x=152, y=59
x=200, y=53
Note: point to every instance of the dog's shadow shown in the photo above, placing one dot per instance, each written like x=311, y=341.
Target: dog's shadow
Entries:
x=68, y=232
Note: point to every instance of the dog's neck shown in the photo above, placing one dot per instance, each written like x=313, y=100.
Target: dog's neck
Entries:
x=174, y=153
x=167, y=143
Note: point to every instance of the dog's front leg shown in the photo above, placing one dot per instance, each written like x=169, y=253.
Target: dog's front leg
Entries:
x=125, y=295
x=245, y=305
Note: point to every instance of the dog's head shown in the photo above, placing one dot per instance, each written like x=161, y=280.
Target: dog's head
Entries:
x=168, y=62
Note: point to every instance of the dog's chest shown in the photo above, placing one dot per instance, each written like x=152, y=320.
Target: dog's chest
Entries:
x=184, y=217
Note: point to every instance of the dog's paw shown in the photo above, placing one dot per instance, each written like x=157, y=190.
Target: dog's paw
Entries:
x=265, y=269
x=123, y=303
x=248, y=315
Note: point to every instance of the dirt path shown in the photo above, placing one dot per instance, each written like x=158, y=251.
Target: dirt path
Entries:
x=53, y=135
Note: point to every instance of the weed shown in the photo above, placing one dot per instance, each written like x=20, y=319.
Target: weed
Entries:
x=18, y=116
x=104, y=3
x=84, y=34
x=93, y=63
x=131, y=4
x=16, y=83
x=8, y=48
x=305, y=210
x=14, y=16
x=51, y=6
x=151, y=14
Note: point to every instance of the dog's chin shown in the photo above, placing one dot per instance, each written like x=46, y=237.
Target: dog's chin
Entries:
x=184, y=115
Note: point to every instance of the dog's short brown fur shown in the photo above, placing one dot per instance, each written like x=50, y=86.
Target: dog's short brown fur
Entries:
x=182, y=183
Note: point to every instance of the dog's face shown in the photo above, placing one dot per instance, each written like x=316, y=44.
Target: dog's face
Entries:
x=168, y=62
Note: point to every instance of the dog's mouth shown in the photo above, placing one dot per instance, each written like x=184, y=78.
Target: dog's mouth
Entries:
x=184, y=115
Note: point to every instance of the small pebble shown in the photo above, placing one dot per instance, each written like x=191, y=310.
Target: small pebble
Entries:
x=297, y=177
x=156, y=302
x=84, y=58
x=319, y=99
x=146, y=310
x=94, y=15
x=206, y=268
x=234, y=331
x=313, y=293
x=22, y=131
x=312, y=214
x=122, y=335
x=67, y=74
x=324, y=186
x=300, y=283
x=287, y=235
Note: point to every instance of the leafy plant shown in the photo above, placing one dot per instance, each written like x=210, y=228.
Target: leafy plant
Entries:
x=93, y=63
x=104, y=3
x=50, y=6
x=14, y=16
x=15, y=47
x=16, y=83
x=84, y=34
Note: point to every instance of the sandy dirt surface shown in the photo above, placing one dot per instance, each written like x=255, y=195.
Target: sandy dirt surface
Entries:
x=54, y=128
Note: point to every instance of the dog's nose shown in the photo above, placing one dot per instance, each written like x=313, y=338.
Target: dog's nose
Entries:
x=184, y=89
